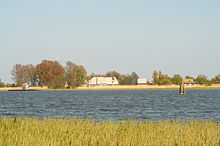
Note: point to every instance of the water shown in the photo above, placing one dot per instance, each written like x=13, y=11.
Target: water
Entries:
x=113, y=105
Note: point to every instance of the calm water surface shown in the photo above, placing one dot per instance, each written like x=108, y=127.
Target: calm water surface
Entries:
x=113, y=105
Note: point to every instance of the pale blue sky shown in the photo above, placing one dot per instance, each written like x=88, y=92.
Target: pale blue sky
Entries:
x=123, y=35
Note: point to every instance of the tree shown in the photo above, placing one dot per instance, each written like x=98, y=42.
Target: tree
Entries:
x=161, y=79
x=113, y=74
x=51, y=74
x=128, y=79
x=125, y=80
x=165, y=80
x=134, y=78
x=70, y=74
x=216, y=79
x=30, y=71
x=155, y=77
x=189, y=77
x=177, y=79
x=2, y=84
x=202, y=79
x=75, y=75
x=23, y=74
x=80, y=75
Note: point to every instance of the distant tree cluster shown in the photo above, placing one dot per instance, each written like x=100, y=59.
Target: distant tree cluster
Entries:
x=124, y=79
x=54, y=75
x=216, y=79
x=162, y=79
x=49, y=73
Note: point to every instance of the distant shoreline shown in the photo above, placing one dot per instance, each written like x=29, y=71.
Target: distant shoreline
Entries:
x=123, y=87
x=148, y=87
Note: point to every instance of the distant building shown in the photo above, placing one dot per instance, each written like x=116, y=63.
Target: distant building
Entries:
x=103, y=81
x=66, y=85
x=24, y=86
x=142, y=81
x=189, y=81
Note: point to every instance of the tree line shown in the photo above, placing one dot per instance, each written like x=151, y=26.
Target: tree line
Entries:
x=162, y=79
x=54, y=75
x=49, y=73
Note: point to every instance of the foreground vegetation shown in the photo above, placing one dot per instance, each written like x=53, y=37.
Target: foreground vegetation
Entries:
x=27, y=131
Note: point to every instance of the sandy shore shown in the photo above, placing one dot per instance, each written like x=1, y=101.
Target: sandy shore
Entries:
x=20, y=88
x=125, y=87
x=148, y=87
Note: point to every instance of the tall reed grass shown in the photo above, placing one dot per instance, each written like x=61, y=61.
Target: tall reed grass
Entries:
x=83, y=132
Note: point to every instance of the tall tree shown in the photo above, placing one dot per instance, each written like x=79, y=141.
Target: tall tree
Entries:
x=31, y=80
x=51, y=74
x=155, y=77
x=70, y=74
x=75, y=75
x=2, y=84
x=177, y=79
x=80, y=75
x=134, y=78
x=23, y=74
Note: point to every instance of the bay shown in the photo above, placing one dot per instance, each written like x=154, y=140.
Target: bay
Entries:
x=155, y=105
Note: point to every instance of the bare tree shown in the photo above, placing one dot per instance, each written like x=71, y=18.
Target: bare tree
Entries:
x=23, y=74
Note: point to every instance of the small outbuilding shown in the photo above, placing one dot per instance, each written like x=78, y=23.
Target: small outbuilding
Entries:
x=142, y=81
x=188, y=81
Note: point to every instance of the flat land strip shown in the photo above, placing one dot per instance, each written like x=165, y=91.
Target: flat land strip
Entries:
x=20, y=88
x=125, y=87
x=81, y=132
x=148, y=87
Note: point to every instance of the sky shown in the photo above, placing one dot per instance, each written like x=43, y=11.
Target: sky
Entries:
x=176, y=37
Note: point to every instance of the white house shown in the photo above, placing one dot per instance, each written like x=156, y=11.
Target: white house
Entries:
x=103, y=81
x=142, y=81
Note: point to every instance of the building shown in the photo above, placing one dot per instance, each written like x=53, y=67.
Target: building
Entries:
x=25, y=86
x=189, y=81
x=103, y=81
x=142, y=81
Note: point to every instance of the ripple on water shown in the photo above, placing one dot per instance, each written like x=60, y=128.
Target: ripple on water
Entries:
x=113, y=105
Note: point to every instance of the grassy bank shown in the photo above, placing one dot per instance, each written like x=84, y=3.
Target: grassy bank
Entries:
x=27, y=131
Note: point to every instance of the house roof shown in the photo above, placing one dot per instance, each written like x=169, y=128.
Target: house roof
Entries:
x=103, y=80
x=188, y=81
